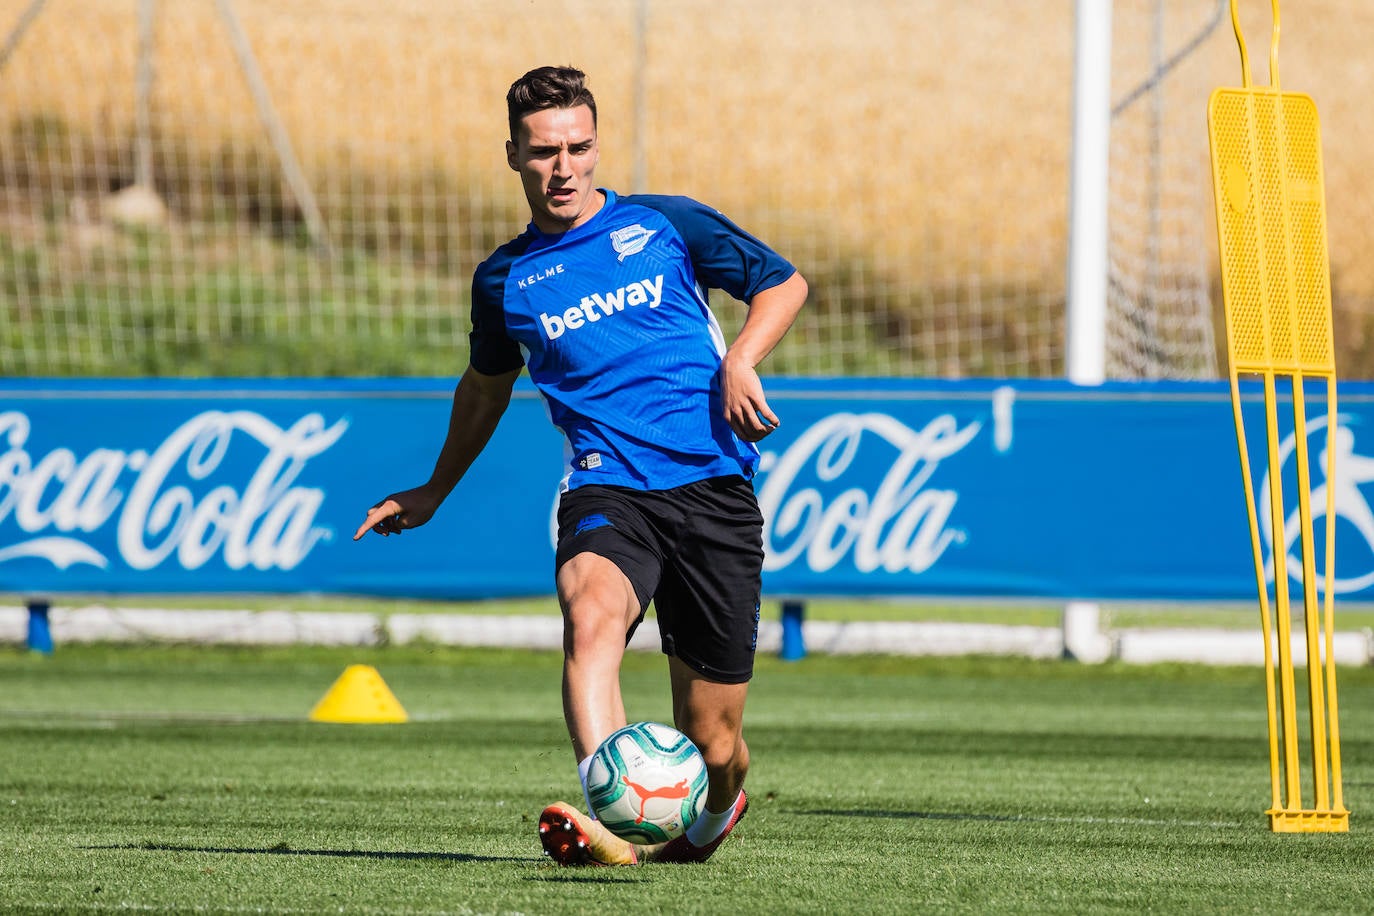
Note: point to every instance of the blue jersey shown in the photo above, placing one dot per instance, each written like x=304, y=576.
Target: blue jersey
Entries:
x=611, y=318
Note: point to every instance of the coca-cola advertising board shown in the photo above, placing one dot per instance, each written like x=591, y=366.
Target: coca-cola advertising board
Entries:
x=1015, y=488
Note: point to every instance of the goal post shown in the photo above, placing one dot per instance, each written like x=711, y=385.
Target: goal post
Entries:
x=1089, y=193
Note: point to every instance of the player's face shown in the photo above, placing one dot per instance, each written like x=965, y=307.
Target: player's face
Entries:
x=555, y=153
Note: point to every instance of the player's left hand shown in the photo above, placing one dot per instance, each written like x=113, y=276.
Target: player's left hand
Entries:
x=746, y=409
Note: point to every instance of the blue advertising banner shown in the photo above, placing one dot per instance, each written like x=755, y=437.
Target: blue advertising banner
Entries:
x=870, y=487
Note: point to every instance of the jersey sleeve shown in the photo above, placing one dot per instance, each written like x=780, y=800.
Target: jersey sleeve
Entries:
x=724, y=256
x=492, y=351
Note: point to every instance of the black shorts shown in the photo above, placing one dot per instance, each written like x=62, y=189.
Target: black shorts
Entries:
x=696, y=551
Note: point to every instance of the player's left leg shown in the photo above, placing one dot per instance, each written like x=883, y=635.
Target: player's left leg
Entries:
x=708, y=613
x=712, y=715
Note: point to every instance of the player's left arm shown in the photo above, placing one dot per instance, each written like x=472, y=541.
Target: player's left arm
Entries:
x=771, y=313
x=726, y=257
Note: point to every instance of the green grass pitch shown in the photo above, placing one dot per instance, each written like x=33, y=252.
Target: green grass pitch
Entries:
x=188, y=779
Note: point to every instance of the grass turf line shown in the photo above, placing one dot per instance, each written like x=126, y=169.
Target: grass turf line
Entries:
x=179, y=777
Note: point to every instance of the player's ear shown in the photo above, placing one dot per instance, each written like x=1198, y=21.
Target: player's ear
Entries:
x=510, y=156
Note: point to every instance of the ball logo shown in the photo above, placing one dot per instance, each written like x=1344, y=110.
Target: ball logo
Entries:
x=670, y=793
x=1352, y=508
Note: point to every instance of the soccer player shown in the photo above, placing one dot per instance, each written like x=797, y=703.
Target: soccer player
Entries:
x=603, y=299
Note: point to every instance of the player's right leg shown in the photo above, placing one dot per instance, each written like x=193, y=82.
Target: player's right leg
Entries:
x=570, y=837
x=599, y=607
x=607, y=569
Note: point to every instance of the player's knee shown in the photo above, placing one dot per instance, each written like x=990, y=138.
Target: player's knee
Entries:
x=589, y=628
x=598, y=604
x=724, y=751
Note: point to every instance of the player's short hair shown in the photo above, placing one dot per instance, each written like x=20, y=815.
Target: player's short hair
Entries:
x=547, y=87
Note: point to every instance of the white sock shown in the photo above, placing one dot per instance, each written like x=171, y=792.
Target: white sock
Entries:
x=710, y=825
x=582, y=767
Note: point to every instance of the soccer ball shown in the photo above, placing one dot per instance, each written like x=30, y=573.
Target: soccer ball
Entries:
x=647, y=783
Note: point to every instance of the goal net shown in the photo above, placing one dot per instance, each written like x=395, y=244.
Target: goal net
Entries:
x=244, y=187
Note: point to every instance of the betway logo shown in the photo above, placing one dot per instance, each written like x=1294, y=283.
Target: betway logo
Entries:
x=603, y=305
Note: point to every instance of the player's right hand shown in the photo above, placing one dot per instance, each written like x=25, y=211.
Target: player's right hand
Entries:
x=397, y=512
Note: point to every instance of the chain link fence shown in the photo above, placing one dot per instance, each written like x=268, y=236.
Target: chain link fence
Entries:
x=242, y=187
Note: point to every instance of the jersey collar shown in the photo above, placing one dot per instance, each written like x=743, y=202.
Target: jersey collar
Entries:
x=590, y=225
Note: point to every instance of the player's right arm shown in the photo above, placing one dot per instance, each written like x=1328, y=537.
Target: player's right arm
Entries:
x=479, y=401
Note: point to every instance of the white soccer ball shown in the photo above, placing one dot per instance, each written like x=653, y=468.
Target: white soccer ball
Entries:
x=647, y=782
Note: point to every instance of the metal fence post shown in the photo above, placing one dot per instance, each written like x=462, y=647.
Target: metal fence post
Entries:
x=793, y=640
x=40, y=632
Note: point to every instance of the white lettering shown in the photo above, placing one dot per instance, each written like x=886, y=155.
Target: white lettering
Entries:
x=553, y=326
x=902, y=525
x=89, y=498
x=535, y=277
x=270, y=525
x=607, y=304
x=655, y=290
x=611, y=302
x=51, y=468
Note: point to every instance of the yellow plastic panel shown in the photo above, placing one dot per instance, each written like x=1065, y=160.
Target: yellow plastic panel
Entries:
x=1271, y=227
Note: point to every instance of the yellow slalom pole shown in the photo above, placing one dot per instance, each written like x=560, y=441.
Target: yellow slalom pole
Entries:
x=1328, y=607
x=1266, y=617
x=1311, y=616
x=1284, y=613
x=1269, y=194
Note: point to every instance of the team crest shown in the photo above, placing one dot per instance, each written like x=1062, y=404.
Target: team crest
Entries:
x=630, y=240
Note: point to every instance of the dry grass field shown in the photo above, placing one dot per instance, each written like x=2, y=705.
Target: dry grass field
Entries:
x=933, y=136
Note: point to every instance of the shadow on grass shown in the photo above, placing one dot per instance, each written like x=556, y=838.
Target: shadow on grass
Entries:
x=914, y=815
x=1020, y=818
x=282, y=849
x=612, y=875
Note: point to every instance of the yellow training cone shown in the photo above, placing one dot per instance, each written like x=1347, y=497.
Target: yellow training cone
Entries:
x=359, y=695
